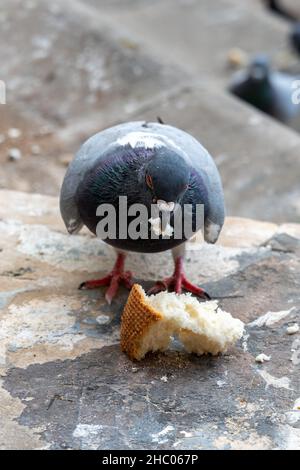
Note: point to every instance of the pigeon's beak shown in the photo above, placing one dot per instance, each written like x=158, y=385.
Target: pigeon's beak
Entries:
x=165, y=206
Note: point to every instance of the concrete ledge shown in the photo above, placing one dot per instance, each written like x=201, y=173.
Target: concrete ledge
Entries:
x=65, y=382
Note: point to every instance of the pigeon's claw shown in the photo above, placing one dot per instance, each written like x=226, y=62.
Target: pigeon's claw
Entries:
x=198, y=291
x=159, y=286
x=94, y=283
x=177, y=282
x=124, y=278
x=113, y=280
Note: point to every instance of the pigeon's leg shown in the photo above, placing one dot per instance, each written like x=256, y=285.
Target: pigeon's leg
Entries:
x=178, y=281
x=116, y=277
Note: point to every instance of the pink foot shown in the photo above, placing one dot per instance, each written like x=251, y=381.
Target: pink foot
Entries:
x=116, y=277
x=177, y=282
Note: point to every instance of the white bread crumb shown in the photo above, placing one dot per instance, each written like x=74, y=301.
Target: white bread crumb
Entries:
x=297, y=405
x=262, y=358
x=157, y=229
x=291, y=330
x=202, y=327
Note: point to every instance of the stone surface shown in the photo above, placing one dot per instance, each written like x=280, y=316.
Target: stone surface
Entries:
x=39, y=169
x=71, y=69
x=65, y=68
x=66, y=384
x=93, y=69
x=199, y=34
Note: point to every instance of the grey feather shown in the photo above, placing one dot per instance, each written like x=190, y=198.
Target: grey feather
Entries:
x=187, y=146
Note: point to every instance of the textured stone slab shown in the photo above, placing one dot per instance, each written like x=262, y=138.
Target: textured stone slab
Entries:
x=41, y=166
x=66, y=62
x=65, y=382
x=66, y=67
x=199, y=34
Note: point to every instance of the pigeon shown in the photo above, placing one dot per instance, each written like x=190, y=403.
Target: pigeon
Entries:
x=275, y=7
x=266, y=89
x=153, y=164
x=295, y=38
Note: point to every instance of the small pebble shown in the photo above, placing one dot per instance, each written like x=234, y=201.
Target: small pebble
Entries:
x=297, y=405
x=14, y=154
x=128, y=43
x=103, y=319
x=66, y=159
x=291, y=330
x=237, y=57
x=262, y=358
x=35, y=149
x=45, y=131
x=164, y=378
x=14, y=133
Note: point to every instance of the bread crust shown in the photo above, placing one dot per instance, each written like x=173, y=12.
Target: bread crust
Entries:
x=138, y=316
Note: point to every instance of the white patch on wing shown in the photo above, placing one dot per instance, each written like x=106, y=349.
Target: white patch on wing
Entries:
x=146, y=140
x=73, y=226
x=140, y=139
x=212, y=232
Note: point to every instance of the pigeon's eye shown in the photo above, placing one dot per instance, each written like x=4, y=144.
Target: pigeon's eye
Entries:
x=149, y=181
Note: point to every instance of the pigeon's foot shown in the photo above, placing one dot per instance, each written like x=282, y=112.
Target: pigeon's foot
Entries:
x=116, y=277
x=177, y=282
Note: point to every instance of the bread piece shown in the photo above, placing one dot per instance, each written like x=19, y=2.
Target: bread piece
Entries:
x=150, y=323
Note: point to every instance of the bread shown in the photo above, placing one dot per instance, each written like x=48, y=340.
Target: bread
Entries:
x=150, y=323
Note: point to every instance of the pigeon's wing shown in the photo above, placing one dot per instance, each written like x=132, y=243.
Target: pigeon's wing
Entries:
x=199, y=158
x=91, y=151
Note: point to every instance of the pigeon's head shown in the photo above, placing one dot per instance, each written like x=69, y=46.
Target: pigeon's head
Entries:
x=166, y=179
x=259, y=69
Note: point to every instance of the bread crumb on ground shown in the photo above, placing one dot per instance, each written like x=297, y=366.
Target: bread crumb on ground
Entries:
x=262, y=358
x=291, y=330
x=150, y=323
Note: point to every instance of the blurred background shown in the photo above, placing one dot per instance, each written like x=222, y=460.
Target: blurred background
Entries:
x=73, y=67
